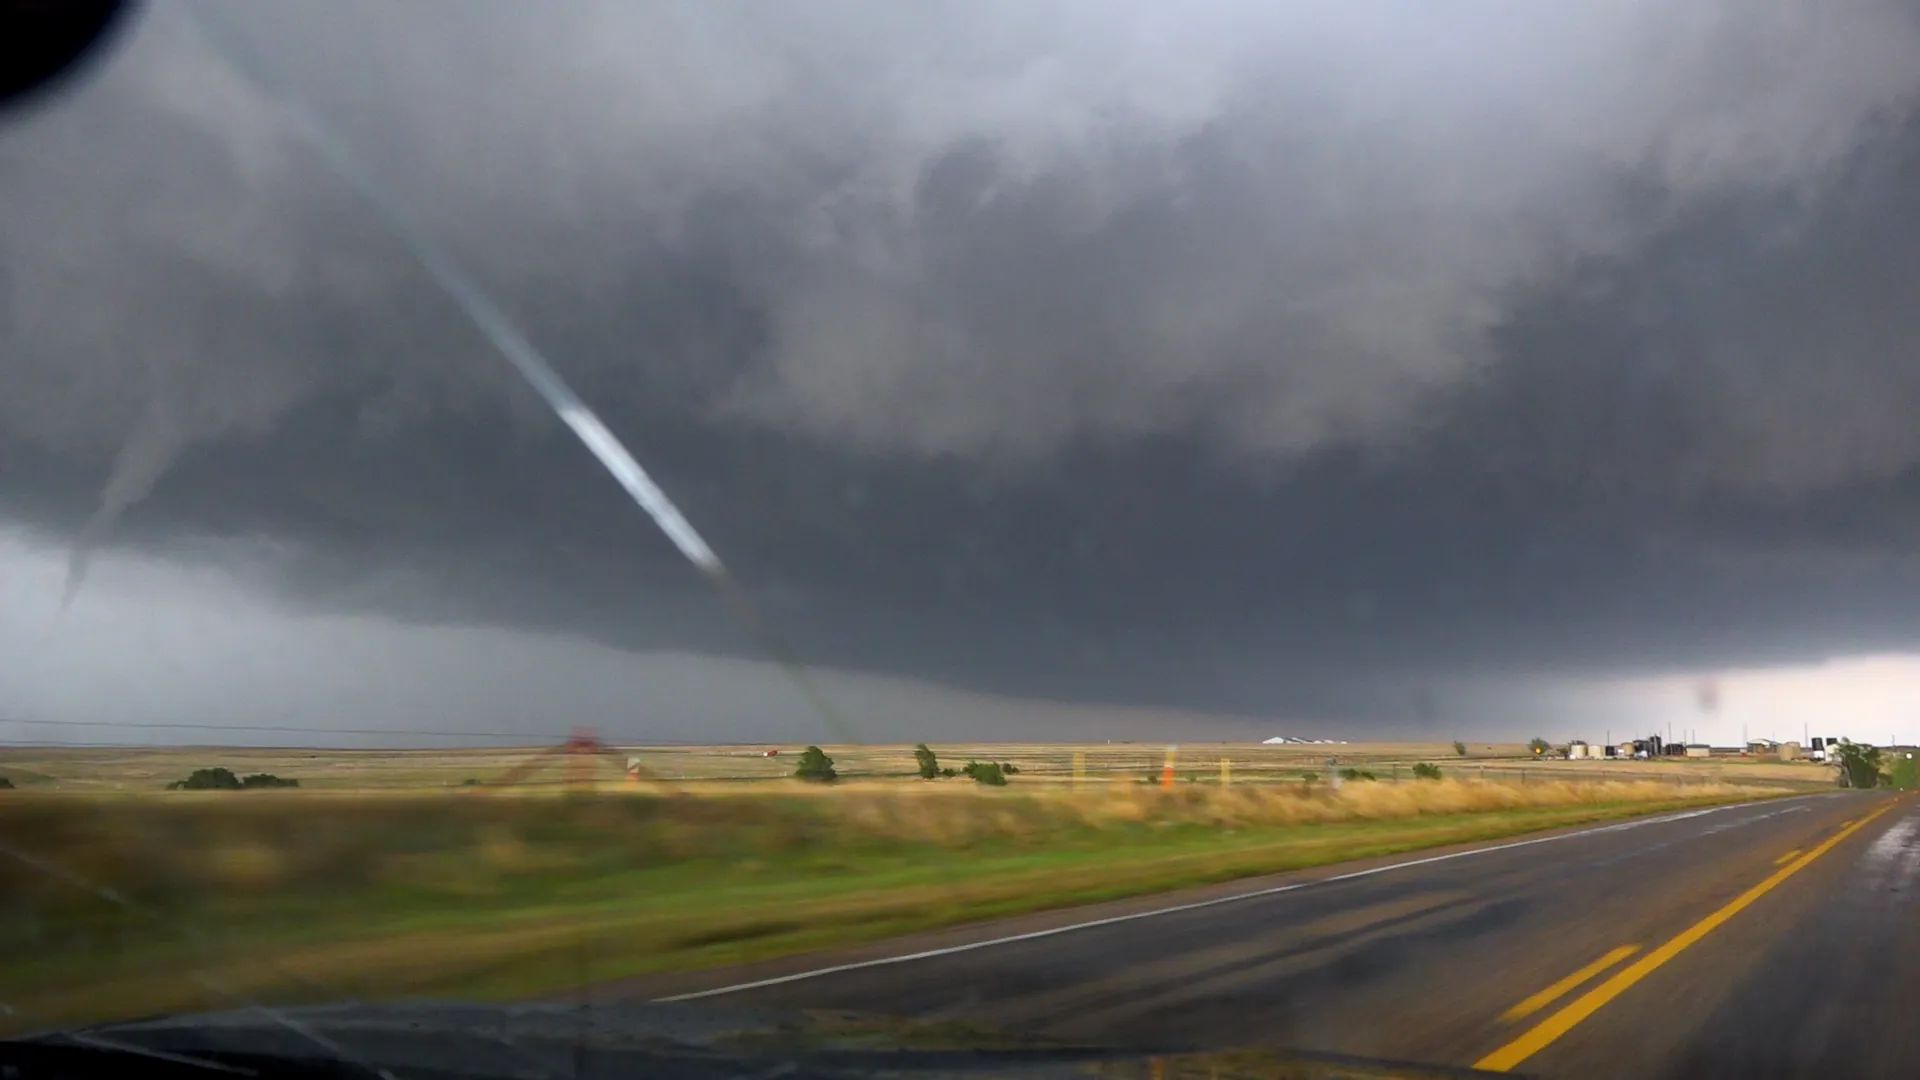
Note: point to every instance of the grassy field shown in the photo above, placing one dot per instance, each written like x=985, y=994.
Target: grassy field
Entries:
x=497, y=891
x=112, y=769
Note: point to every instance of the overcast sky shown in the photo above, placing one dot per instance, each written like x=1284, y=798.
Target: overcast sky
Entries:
x=1478, y=368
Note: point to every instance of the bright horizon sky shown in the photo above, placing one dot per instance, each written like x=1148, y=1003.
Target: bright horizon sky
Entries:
x=152, y=642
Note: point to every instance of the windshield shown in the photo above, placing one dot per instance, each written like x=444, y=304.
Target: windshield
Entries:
x=1379, y=533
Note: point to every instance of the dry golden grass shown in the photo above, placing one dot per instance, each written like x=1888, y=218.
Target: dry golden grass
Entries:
x=949, y=812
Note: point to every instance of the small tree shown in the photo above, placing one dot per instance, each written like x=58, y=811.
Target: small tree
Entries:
x=929, y=764
x=816, y=766
x=1539, y=746
x=1459, y=748
x=1859, y=764
x=1426, y=771
x=986, y=772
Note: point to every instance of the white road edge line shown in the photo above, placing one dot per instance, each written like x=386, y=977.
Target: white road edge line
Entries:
x=1198, y=904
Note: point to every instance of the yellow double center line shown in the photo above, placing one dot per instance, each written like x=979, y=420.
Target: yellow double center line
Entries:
x=1546, y=1031
x=1558, y=990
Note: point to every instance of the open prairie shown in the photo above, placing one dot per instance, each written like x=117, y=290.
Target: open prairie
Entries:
x=129, y=769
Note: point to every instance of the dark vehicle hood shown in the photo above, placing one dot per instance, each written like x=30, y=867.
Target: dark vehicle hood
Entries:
x=549, y=1041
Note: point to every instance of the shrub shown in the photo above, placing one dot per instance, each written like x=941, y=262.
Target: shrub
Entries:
x=1539, y=746
x=1309, y=776
x=929, y=764
x=1356, y=774
x=214, y=779
x=986, y=772
x=816, y=766
x=1009, y=768
x=5, y=783
x=261, y=780
x=1459, y=748
x=949, y=772
x=1424, y=770
x=219, y=778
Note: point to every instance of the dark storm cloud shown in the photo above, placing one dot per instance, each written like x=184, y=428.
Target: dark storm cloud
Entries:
x=1064, y=348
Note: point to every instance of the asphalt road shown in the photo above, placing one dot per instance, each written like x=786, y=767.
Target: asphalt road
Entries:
x=1770, y=940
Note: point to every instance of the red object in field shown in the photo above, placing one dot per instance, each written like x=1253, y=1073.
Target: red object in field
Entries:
x=580, y=748
x=576, y=755
x=771, y=753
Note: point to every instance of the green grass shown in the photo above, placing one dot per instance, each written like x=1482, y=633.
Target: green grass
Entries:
x=308, y=897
